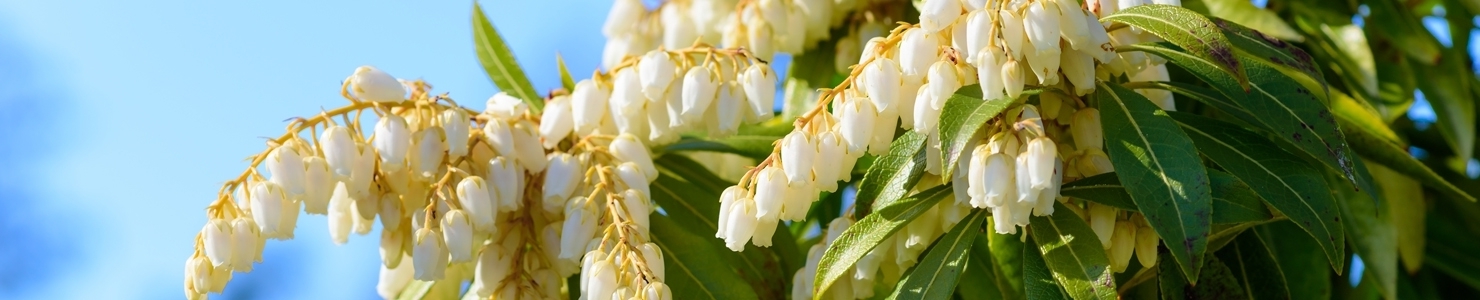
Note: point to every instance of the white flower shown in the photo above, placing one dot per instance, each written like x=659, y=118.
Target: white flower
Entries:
x=493, y=266
x=883, y=132
x=286, y=167
x=217, y=239
x=819, y=14
x=796, y=203
x=341, y=218
x=943, y=80
x=472, y=195
x=1040, y=155
x=639, y=208
x=678, y=29
x=1013, y=33
x=742, y=224
x=504, y=106
x=289, y=219
x=429, y=255
x=770, y=190
x=1080, y=69
x=1094, y=162
x=561, y=177
x=1102, y=221
x=503, y=183
x=588, y=104
x=621, y=19
x=393, y=247
x=991, y=73
x=1122, y=246
x=937, y=14
x=267, y=206
x=1000, y=180
x=557, y=121
x=857, y=122
x=339, y=150
x=794, y=37
x=1071, y=24
x=1050, y=193
x=760, y=33
x=846, y=53
x=627, y=148
x=1099, y=39
x=1012, y=78
x=426, y=153
x=602, y=280
x=363, y=173
x=653, y=256
x=918, y=50
x=881, y=81
x=500, y=136
x=926, y=116
x=457, y=231
x=1146, y=242
x=657, y=291
x=1041, y=24
x=699, y=89
x=632, y=177
x=730, y=109
x=656, y=71
x=976, y=177
x=798, y=151
x=759, y=83
x=1162, y=98
x=1045, y=65
x=1086, y=129
x=318, y=184
x=627, y=94
x=393, y=280
x=659, y=128
x=390, y=212
x=527, y=147
x=454, y=123
x=245, y=244
x=979, y=31
x=392, y=141
x=578, y=229
x=374, y=85
x=830, y=155
x=764, y=230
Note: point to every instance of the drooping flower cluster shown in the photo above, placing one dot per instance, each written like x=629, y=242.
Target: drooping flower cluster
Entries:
x=764, y=27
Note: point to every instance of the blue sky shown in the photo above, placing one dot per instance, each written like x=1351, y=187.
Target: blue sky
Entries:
x=122, y=119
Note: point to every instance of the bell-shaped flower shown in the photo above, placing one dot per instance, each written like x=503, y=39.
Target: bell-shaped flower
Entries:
x=426, y=153
x=742, y=224
x=1040, y=156
x=505, y=106
x=759, y=83
x=639, y=208
x=627, y=94
x=217, y=237
x=267, y=206
x=770, y=190
x=881, y=81
x=627, y=147
x=857, y=117
x=339, y=150
x=938, y=14
x=286, y=166
x=318, y=185
x=1013, y=33
x=798, y=155
x=455, y=126
x=830, y=155
x=527, y=148
x=1102, y=221
x=374, y=85
x=700, y=88
x=429, y=255
x=588, y=104
x=656, y=71
x=1146, y=242
x=246, y=239
x=457, y=232
x=562, y=175
x=472, y=195
x=1122, y=246
x=341, y=216
x=557, y=121
x=1012, y=78
x=918, y=50
x=1041, y=23
x=393, y=142
x=503, y=183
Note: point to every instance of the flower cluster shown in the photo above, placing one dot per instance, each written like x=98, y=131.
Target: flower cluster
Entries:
x=765, y=27
x=664, y=93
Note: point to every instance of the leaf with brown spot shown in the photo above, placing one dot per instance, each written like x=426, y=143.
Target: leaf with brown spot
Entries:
x=1188, y=29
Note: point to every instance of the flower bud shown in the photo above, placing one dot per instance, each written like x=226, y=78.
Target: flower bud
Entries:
x=472, y=195
x=1040, y=155
x=1162, y=98
x=979, y=31
x=656, y=72
x=918, y=50
x=742, y=223
x=557, y=121
x=339, y=150
x=627, y=148
x=1045, y=65
x=588, y=104
x=245, y=241
x=1146, y=242
x=504, y=106
x=937, y=14
x=454, y=123
x=457, y=231
x=770, y=190
x=392, y=247
x=504, y=187
x=1086, y=129
x=976, y=177
x=198, y=274
x=429, y=255
x=267, y=206
x=393, y=142
x=1123, y=245
x=846, y=53
x=657, y=291
x=217, y=239
x=602, y=279
x=341, y=218
x=374, y=85
x=1079, y=68
x=1012, y=78
x=991, y=72
x=1102, y=221
x=759, y=83
x=1013, y=33
x=286, y=167
x=561, y=178
x=830, y=155
x=632, y=178
x=881, y=81
x=699, y=90
x=639, y=208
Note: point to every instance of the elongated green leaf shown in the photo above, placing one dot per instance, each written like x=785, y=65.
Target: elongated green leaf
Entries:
x=1282, y=106
x=1403, y=199
x=752, y=146
x=1218, y=282
x=1448, y=89
x=1373, y=236
x=866, y=234
x=1254, y=44
x=1233, y=200
x=1006, y=251
x=499, y=61
x=1038, y=280
x=1074, y=254
x=1282, y=179
x=961, y=118
x=1201, y=94
x=1188, y=29
x=982, y=279
x=892, y=175
x=565, y=79
x=1159, y=167
x=695, y=268
x=1305, y=271
x=1453, y=250
x=1401, y=26
x=1255, y=268
x=935, y=276
x=1396, y=157
x=1245, y=13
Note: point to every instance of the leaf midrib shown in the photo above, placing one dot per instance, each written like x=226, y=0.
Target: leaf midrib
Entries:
x=830, y=278
x=480, y=33
x=1059, y=233
x=1151, y=154
x=954, y=244
x=1266, y=170
x=687, y=270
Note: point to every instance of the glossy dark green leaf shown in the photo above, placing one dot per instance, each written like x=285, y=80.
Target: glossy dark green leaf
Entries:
x=1395, y=22
x=1284, y=181
x=752, y=146
x=1255, y=268
x=1233, y=200
x=1373, y=236
x=1200, y=94
x=1306, y=272
x=1038, y=280
x=1074, y=254
x=1396, y=157
x=961, y=118
x=868, y=232
x=1255, y=44
x=1217, y=282
x=697, y=271
x=1187, y=29
x=1452, y=250
x=498, y=61
x=1006, y=251
x=1159, y=167
x=982, y=279
x=1283, y=106
x=892, y=175
x=936, y=275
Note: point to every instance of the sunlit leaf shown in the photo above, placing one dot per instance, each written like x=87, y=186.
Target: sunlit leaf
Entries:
x=1074, y=254
x=935, y=276
x=1038, y=280
x=960, y=119
x=1233, y=200
x=892, y=175
x=498, y=61
x=694, y=268
x=868, y=232
x=1187, y=29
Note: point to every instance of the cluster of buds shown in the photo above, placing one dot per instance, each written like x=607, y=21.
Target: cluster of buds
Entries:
x=765, y=27
x=664, y=93
x=1015, y=172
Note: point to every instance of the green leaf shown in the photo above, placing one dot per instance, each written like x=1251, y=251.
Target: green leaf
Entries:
x=498, y=61
x=695, y=269
x=962, y=117
x=1373, y=236
x=935, y=276
x=1305, y=270
x=1218, y=282
x=1448, y=89
x=1403, y=199
x=1187, y=29
x=1233, y=200
x=1245, y=13
x=868, y=232
x=1160, y=169
x=1038, y=281
x=892, y=175
x=1453, y=250
x=1283, y=106
x=1201, y=94
x=1007, y=258
x=1396, y=157
x=1073, y=252
x=1282, y=179
x=982, y=279
x=1255, y=268
x=693, y=202
x=565, y=79
x=1401, y=26
x=752, y=146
